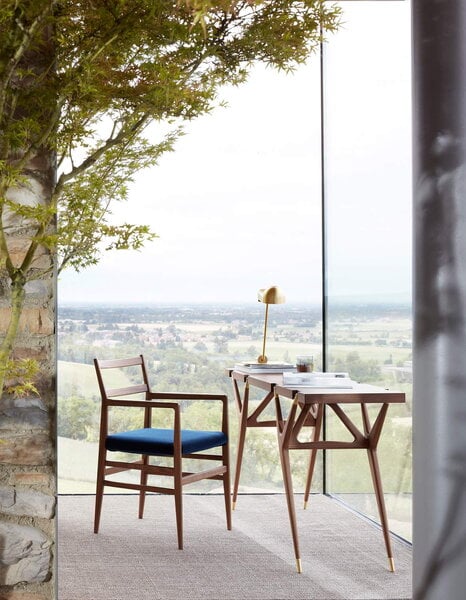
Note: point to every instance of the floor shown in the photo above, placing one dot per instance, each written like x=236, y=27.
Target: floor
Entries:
x=343, y=555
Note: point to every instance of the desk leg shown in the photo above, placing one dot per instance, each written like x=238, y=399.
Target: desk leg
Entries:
x=377, y=481
x=310, y=472
x=312, y=459
x=243, y=417
x=373, y=434
x=286, y=469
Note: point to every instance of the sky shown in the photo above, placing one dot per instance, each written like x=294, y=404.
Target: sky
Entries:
x=237, y=206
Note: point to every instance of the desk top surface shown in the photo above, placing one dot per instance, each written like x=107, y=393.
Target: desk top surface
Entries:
x=359, y=393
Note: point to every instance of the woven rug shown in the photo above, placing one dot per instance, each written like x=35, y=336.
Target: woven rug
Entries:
x=343, y=555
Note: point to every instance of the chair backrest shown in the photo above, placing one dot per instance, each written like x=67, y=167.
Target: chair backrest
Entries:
x=108, y=393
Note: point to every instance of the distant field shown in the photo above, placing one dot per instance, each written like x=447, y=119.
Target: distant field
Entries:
x=390, y=324
x=78, y=376
x=77, y=462
x=277, y=350
x=204, y=327
x=377, y=353
x=274, y=350
x=77, y=467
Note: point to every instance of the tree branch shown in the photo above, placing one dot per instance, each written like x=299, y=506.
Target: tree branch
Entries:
x=17, y=302
x=122, y=136
x=28, y=36
x=4, y=248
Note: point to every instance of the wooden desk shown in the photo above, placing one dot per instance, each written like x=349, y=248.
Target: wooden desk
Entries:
x=307, y=410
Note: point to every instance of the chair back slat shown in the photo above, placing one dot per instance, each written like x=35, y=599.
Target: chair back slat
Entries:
x=126, y=391
x=120, y=362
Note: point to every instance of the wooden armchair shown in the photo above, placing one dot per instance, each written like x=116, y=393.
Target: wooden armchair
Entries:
x=149, y=441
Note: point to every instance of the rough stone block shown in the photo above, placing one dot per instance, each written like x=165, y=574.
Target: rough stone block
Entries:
x=24, y=554
x=20, y=595
x=31, y=478
x=25, y=449
x=36, y=320
x=32, y=320
x=19, y=246
x=26, y=503
x=29, y=402
x=5, y=313
x=38, y=287
x=17, y=419
x=40, y=353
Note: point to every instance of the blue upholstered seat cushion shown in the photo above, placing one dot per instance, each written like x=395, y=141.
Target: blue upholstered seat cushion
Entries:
x=159, y=442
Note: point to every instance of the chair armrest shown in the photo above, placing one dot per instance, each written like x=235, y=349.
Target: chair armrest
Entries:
x=144, y=404
x=148, y=405
x=186, y=396
x=174, y=405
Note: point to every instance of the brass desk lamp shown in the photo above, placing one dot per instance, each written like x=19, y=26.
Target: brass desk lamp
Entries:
x=271, y=295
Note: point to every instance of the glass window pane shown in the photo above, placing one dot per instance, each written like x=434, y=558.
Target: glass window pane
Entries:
x=237, y=208
x=368, y=192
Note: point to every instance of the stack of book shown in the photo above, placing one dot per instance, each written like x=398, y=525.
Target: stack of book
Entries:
x=268, y=367
x=319, y=380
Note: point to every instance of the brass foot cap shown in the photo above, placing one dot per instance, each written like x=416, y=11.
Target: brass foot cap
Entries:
x=391, y=564
x=305, y=504
x=299, y=567
x=233, y=505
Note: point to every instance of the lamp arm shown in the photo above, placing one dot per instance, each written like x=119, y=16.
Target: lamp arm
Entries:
x=262, y=357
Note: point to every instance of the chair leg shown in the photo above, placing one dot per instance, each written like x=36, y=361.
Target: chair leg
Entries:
x=178, y=501
x=142, y=493
x=98, y=505
x=179, y=516
x=226, y=484
x=99, y=489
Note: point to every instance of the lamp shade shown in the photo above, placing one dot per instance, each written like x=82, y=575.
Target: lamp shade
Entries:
x=271, y=295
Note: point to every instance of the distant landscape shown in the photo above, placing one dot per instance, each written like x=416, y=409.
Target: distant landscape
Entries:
x=188, y=347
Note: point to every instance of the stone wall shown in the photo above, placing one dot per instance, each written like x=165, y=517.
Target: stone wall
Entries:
x=27, y=459
x=27, y=450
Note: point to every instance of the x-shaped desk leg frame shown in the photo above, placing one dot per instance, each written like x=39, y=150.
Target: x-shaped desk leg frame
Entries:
x=289, y=429
x=245, y=421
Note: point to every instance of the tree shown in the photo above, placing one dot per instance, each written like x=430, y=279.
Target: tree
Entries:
x=77, y=418
x=91, y=91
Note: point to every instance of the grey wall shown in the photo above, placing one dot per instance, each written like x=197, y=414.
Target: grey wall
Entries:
x=439, y=415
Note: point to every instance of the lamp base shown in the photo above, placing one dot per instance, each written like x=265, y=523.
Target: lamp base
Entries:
x=261, y=359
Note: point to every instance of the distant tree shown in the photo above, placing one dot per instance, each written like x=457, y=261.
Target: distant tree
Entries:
x=200, y=346
x=360, y=370
x=243, y=330
x=220, y=345
x=389, y=360
x=77, y=417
